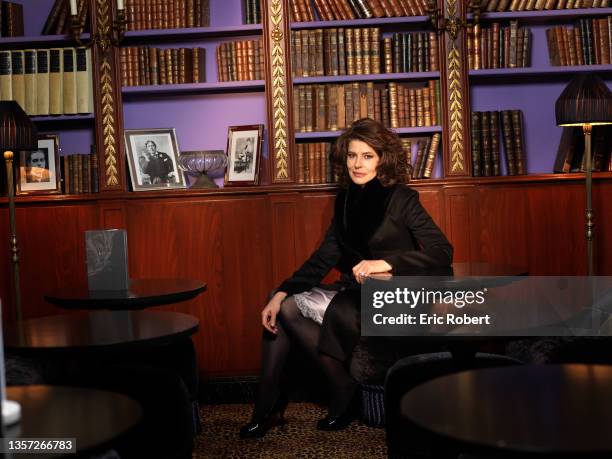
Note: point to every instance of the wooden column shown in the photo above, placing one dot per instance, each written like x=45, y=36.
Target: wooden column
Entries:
x=455, y=93
x=278, y=90
x=107, y=99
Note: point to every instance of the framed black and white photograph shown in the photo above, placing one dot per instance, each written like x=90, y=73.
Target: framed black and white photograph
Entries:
x=153, y=159
x=243, y=154
x=39, y=170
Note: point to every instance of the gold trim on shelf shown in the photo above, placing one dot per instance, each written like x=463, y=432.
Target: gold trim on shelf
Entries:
x=108, y=106
x=457, y=161
x=279, y=94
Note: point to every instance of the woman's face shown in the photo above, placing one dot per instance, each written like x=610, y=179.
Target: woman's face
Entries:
x=361, y=162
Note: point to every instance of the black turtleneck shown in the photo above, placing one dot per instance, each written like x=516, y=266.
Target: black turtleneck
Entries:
x=363, y=211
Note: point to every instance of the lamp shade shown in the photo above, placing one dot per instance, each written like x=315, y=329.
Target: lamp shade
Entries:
x=585, y=100
x=17, y=132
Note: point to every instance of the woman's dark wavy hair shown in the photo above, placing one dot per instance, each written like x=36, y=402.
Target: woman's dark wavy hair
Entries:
x=393, y=167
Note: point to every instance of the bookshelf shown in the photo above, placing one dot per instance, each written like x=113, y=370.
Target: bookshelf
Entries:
x=533, y=89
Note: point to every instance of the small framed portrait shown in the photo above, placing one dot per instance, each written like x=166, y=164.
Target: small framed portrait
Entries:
x=39, y=170
x=153, y=159
x=243, y=154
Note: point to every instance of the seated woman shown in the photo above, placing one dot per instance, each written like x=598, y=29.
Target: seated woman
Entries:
x=378, y=226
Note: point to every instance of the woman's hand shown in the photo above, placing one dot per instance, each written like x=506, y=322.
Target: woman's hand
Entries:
x=271, y=310
x=365, y=268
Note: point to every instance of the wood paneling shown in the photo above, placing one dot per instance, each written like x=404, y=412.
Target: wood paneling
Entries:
x=242, y=246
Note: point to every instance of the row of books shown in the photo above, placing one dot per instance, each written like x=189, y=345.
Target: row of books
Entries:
x=11, y=19
x=499, y=47
x=335, y=51
x=240, y=60
x=79, y=173
x=411, y=52
x=332, y=107
x=570, y=154
x=142, y=66
x=166, y=14
x=330, y=10
x=251, y=10
x=530, y=5
x=425, y=154
x=486, y=149
x=59, y=19
x=52, y=81
x=312, y=163
x=589, y=42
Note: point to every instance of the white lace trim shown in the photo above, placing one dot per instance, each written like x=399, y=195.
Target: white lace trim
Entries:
x=313, y=303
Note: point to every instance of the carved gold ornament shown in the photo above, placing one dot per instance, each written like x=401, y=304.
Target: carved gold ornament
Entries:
x=107, y=106
x=279, y=94
x=455, y=98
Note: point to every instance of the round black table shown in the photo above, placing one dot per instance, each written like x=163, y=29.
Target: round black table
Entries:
x=537, y=409
x=94, y=418
x=142, y=293
x=104, y=330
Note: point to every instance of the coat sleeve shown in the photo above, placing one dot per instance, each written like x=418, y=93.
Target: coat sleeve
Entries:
x=312, y=272
x=435, y=251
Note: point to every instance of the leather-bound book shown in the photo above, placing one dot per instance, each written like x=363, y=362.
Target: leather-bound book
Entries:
x=384, y=106
x=350, y=51
x=517, y=130
x=388, y=54
x=17, y=77
x=604, y=40
x=56, y=94
x=241, y=64
x=420, y=108
x=299, y=162
x=550, y=4
x=401, y=106
x=571, y=44
x=312, y=52
x=366, y=54
x=578, y=45
x=375, y=50
x=476, y=29
x=526, y=55
x=370, y=99
x=305, y=55
x=434, y=65
x=84, y=81
x=553, y=50
x=393, y=109
x=411, y=6
x=492, y=5
x=407, y=149
x=61, y=20
x=377, y=113
x=312, y=163
x=396, y=8
x=386, y=6
x=199, y=65
x=432, y=152
x=485, y=131
x=42, y=81
x=476, y=144
x=77, y=173
x=332, y=106
x=503, y=5
x=29, y=81
x=420, y=159
x=469, y=39
x=406, y=53
x=512, y=58
x=348, y=104
x=377, y=9
x=397, y=41
x=182, y=66
x=341, y=52
x=252, y=64
x=358, y=47
x=508, y=144
x=12, y=16
x=69, y=81
x=86, y=167
x=320, y=108
x=597, y=45
x=189, y=14
x=301, y=97
x=319, y=58
x=123, y=65
x=161, y=60
x=589, y=41
x=426, y=106
x=295, y=11
x=310, y=95
x=175, y=65
x=520, y=46
x=431, y=84
x=412, y=108
x=348, y=12
x=567, y=149
x=153, y=66
x=494, y=63
x=420, y=53
x=494, y=140
x=364, y=8
x=52, y=18
x=333, y=6
x=363, y=100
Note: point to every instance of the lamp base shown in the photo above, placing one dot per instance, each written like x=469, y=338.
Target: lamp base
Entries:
x=11, y=412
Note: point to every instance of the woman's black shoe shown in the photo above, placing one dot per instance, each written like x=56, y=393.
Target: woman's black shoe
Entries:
x=342, y=421
x=259, y=426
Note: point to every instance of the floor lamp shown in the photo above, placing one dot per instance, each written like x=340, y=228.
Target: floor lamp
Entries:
x=585, y=102
x=17, y=133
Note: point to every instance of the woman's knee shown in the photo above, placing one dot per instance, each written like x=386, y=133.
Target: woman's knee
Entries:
x=289, y=311
x=343, y=307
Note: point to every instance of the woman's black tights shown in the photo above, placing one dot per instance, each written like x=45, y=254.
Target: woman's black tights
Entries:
x=294, y=327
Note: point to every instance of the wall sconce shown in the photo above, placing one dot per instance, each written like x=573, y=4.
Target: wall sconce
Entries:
x=453, y=25
x=104, y=39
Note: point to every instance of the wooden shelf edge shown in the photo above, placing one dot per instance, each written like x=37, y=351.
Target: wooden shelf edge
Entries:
x=543, y=15
x=360, y=22
x=369, y=77
x=296, y=188
x=193, y=32
x=192, y=88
